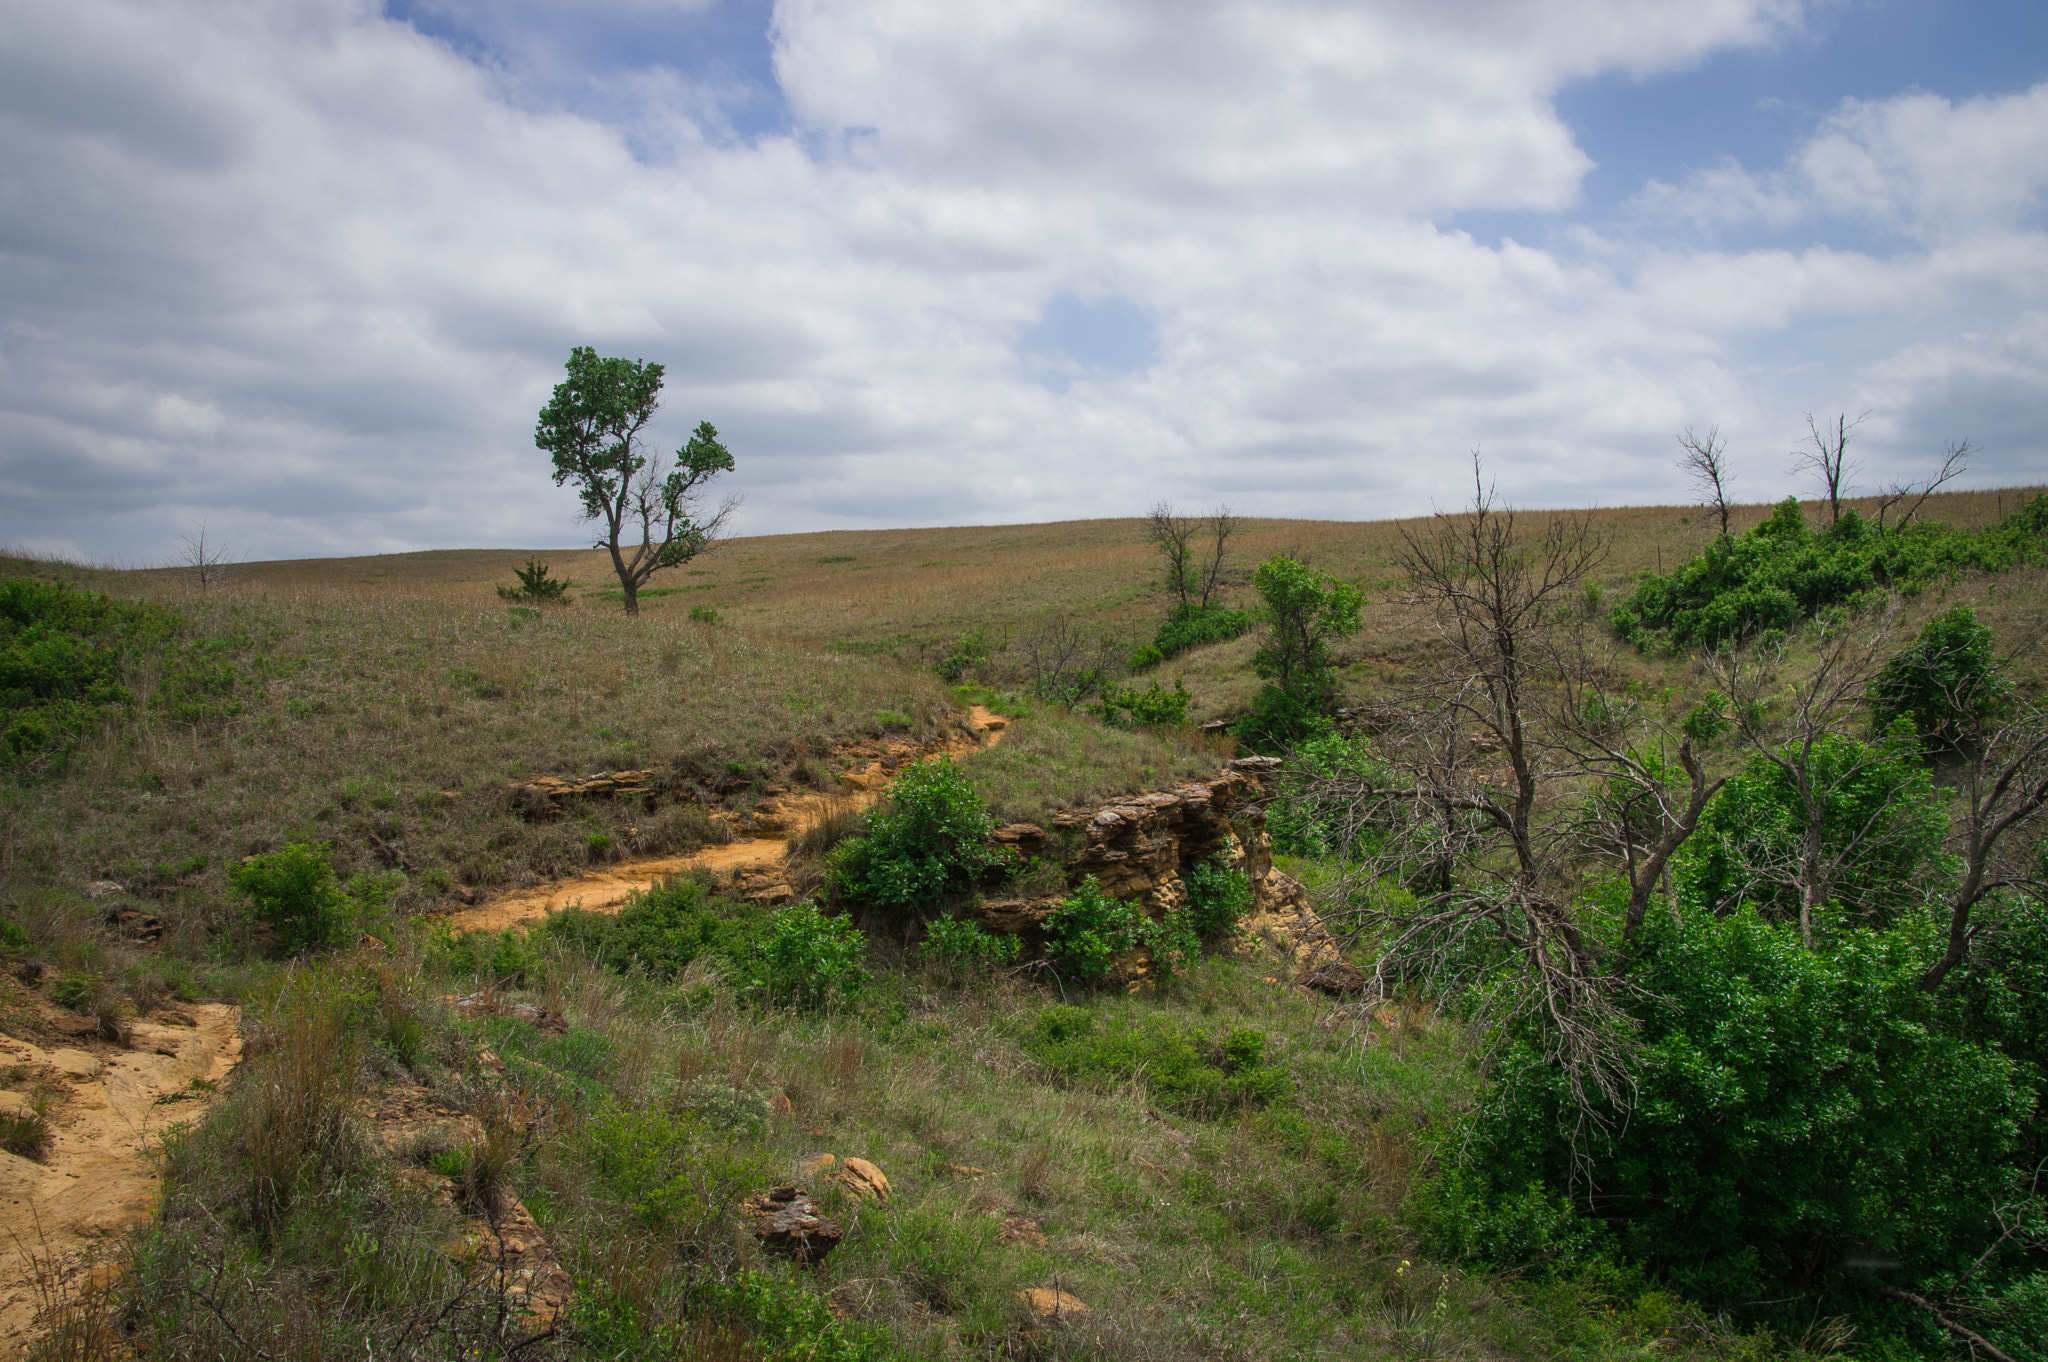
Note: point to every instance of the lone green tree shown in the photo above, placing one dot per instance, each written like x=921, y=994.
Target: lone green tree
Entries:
x=593, y=427
x=1304, y=610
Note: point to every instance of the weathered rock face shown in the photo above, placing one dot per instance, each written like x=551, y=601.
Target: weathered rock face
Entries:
x=1138, y=849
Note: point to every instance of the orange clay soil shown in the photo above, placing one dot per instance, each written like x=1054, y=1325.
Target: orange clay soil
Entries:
x=613, y=885
x=106, y=1107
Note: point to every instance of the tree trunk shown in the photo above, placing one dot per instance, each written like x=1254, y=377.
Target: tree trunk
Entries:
x=632, y=599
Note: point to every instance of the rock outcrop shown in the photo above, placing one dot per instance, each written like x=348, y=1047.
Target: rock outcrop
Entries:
x=1140, y=847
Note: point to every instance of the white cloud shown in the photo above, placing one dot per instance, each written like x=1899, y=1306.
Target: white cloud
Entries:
x=306, y=273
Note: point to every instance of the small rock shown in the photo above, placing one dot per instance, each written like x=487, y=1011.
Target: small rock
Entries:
x=815, y=1167
x=1017, y=1230
x=780, y=1109
x=16, y=1104
x=864, y=1180
x=1052, y=1303
x=1338, y=978
x=968, y=1171
x=76, y=1064
x=104, y=889
x=788, y=1222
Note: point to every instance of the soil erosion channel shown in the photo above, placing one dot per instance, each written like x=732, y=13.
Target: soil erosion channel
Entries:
x=105, y=1106
x=613, y=885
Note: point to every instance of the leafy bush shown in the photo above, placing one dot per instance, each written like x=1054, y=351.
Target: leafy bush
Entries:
x=963, y=950
x=1089, y=929
x=1948, y=682
x=62, y=655
x=1882, y=820
x=969, y=654
x=535, y=586
x=1155, y=705
x=294, y=893
x=661, y=930
x=1192, y=625
x=930, y=835
x=704, y=614
x=1218, y=897
x=811, y=960
x=1297, y=823
x=1781, y=572
x=1303, y=610
x=1182, y=1068
x=1795, y=1111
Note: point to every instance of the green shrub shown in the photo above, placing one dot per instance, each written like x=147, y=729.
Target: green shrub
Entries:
x=963, y=950
x=294, y=893
x=704, y=614
x=1300, y=825
x=1182, y=1068
x=810, y=960
x=1303, y=611
x=1192, y=625
x=74, y=989
x=1883, y=821
x=1155, y=705
x=660, y=930
x=535, y=586
x=1218, y=897
x=1781, y=572
x=929, y=836
x=1086, y=933
x=62, y=656
x=1795, y=1111
x=1948, y=683
x=968, y=655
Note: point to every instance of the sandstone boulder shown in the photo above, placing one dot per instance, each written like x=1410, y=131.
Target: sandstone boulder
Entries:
x=864, y=1180
x=1051, y=1303
x=1017, y=1230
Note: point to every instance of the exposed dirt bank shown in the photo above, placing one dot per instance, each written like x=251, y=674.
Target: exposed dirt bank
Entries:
x=614, y=884
x=105, y=1107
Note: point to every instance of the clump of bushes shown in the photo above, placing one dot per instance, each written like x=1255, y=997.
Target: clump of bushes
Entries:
x=1782, y=572
x=1947, y=682
x=1155, y=706
x=1304, y=611
x=961, y=950
x=62, y=656
x=1183, y=1069
x=294, y=892
x=661, y=930
x=967, y=655
x=928, y=838
x=1218, y=897
x=1192, y=624
x=1089, y=929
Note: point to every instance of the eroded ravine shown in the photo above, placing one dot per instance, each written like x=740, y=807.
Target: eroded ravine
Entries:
x=614, y=884
x=106, y=1108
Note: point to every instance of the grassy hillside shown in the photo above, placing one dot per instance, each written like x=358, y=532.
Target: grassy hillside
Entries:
x=1038, y=1136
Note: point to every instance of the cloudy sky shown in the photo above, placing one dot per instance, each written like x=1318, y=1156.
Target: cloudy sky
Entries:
x=305, y=270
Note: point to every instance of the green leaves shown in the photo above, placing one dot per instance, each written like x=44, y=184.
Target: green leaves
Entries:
x=1303, y=610
x=928, y=837
x=588, y=426
x=1948, y=682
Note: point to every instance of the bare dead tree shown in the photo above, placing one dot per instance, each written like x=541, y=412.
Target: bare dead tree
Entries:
x=1828, y=460
x=1704, y=461
x=1067, y=665
x=206, y=564
x=1221, y=525
x=1457, y=805
x=1173, y=535
x=1194, y=575
x=1954, y=464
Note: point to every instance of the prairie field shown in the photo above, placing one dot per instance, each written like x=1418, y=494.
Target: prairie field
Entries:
x=388, y=712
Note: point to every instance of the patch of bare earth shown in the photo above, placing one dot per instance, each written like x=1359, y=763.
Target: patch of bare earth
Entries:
x=611, y=886
x=106, y=1106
